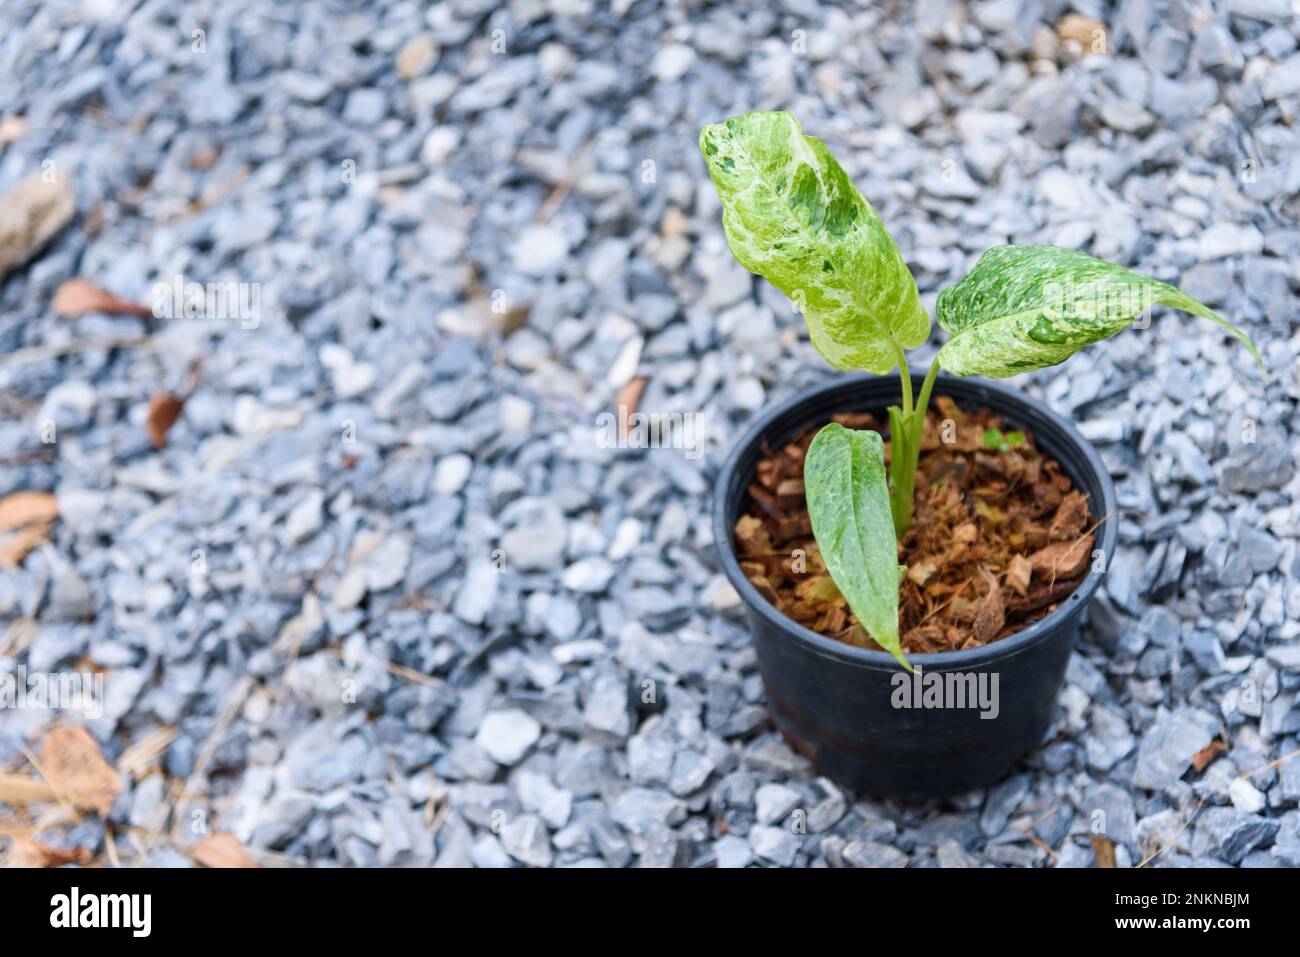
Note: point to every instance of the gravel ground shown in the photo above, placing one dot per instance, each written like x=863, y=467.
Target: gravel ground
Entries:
x=387, y=597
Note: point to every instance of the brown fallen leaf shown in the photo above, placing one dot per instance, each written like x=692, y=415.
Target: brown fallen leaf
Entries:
x=1205, y=757
x=1062, y=559
x=29, y=852
x=164, y=409
x=629, y=398
x=19, y=509
x=1019, y=571
x=74, y=767
x=77, y=297
x=30, y=215
x=1102, y=850
x=222, y=850
x=18, y=545
x=25, y=518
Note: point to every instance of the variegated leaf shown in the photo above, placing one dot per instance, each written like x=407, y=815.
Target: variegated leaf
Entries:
x=848, y=502
x=1025, y=307
x=792, y=215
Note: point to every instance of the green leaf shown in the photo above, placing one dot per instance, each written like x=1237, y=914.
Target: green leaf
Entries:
x=848, y=502
x=793, y=216
x=1025, y=307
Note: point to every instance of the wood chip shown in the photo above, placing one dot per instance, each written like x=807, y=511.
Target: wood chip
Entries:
x=164, y=409
x=31, y=214
x=1062, y=559
x=1205, y=757
x=20, y=509
x=751, y=536
x=29, y=852
x=1070, y=519
x=20, y=789
x=1102, y=850
x=77, y=298
x=992, y=613
x=222, y=850
x=921, y=572
x=74, y=767
x=1019, y=571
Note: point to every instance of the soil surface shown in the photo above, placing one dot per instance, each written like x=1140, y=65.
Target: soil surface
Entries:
x=999, y=536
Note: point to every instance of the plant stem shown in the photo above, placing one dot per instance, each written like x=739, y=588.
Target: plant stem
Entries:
x=906, y=426
x=905, y=375
x=926, y=388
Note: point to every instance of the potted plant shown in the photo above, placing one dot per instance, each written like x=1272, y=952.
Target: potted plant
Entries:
x=913, y=599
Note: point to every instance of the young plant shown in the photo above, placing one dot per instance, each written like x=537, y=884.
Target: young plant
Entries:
x=792, y=215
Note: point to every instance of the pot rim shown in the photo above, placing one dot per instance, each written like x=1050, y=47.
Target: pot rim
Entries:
x=882, y=660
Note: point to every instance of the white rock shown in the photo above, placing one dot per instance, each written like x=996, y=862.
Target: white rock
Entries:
x=478, y=592
x=1228, y=239
x=672, y=62
x=555, y=60
x=507, y=735
x=386, y=565
x=591, y=575
x=351, y=378
x=539, y=250
x=452, y=473
x=439, y=144
x=747, y=393
x=515, y=414
x=731, y=851
x=773, y=802
x=305, y=519
x=624, y=365
x=1246, y=798
x=626, y=537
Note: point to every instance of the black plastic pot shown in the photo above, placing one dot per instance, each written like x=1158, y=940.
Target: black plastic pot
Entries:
x=838, y=704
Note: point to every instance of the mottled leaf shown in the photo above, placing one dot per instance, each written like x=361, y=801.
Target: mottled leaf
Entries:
x=1025, y=307
x=848, y=502
x=792, y=215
